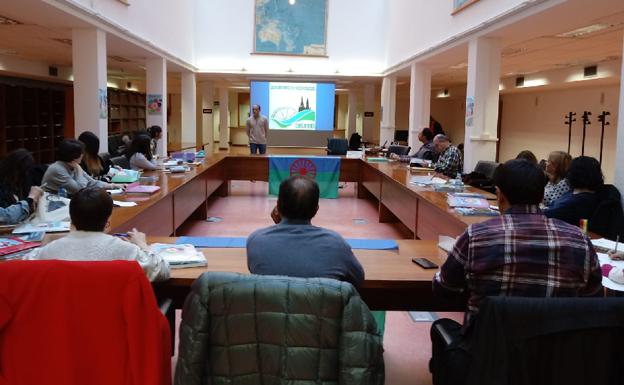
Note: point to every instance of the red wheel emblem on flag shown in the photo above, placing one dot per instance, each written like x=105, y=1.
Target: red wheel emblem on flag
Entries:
x=303, y=167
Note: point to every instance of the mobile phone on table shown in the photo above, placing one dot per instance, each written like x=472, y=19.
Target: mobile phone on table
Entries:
x=424, y=263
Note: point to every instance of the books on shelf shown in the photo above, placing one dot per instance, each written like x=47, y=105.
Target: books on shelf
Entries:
x=180, y=256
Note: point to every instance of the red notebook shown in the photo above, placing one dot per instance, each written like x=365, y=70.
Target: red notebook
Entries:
x=13, y=245
x=141, y=188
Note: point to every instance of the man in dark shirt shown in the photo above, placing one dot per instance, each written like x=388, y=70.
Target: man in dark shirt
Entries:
x=521, y=253
x=425, y=152
x=294, y=247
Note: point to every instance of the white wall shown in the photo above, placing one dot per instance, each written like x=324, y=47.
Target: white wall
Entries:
x=164, y=23
x=355, y=39
x=416, y=25
x=535, y=121
x=13, y=65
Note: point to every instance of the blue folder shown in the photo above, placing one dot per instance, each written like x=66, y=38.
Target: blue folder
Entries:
x=239, y=242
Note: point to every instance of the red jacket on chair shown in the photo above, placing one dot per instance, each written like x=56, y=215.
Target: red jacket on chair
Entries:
x=72, y=323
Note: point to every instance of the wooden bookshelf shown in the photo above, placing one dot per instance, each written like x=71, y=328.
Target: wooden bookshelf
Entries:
x=126, y=111
x=32, y=116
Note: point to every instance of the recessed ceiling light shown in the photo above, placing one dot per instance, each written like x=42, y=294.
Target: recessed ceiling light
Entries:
x=580, y=32
x=8, y=21
x=459, y=66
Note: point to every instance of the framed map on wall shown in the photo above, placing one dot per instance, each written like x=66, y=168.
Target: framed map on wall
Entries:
x=290, y=27
x=460, y=5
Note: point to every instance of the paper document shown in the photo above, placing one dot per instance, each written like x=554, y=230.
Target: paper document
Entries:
x=604, y=244
x=124, y=204
x=48, y=227
x=606, y=282
x=180, y=256
x=115, y=191
x=446, y=243
x=354, y=154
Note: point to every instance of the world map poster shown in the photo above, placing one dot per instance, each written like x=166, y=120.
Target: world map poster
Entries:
x=291, y=27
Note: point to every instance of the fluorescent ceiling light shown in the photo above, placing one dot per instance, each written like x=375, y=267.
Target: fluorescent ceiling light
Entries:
x=584, y=31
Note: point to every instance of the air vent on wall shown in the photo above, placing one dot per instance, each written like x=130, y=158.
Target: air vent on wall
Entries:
x=8, y=21
x=590, y=71
x=520, y=81
x=119, y=59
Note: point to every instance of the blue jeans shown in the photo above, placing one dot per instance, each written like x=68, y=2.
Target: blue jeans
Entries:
x=254, y=148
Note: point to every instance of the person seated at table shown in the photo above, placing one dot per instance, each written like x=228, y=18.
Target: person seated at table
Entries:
x=426, y=151
x=67, y=173
x=139, y=155
x=521, y=253
x=585, y=179
x=449, y=157
x=294, y=247
x=528, y=156
x=18, y=198
x=90, y=210
x=557, y=167
x=155, y=133
x=92, y=163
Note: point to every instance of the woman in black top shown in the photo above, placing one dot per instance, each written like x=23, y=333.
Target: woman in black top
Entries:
x=92, y=163
x=17, y=197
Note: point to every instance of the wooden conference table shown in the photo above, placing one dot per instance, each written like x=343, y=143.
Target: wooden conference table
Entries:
x=393, y=282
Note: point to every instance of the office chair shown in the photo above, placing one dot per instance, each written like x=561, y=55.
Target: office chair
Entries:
x=517, y=341
x=337, y=146
x=69, y=322
x=286, y=330
x=121, y=161
x=398, y=149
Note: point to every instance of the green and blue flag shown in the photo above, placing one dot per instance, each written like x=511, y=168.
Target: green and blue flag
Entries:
x=325, y=170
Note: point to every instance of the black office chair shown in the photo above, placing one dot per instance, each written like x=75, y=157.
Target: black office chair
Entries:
x=399, y=150
x=483, y=176
x=521, y=341
x=337, y=146
x=121, y=161
x=608, y=219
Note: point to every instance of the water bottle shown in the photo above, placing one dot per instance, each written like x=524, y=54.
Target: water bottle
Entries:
x=458, y=180
x=62, y=192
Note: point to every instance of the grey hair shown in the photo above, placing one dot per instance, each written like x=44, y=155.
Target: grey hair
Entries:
x=442, y=137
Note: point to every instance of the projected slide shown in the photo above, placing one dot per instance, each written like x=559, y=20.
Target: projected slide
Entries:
x=295, y=106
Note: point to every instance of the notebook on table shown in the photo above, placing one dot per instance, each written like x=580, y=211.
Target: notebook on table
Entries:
x=125, y=176
x=137, y=187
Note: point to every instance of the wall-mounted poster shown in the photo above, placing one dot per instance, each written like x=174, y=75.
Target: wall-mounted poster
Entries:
x=154, y=104
x=103, y=102
x=460, y=5
x=469, y=111
x=291, y=27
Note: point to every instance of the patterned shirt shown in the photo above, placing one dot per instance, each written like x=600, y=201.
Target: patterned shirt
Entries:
x=554, y=191
x=524, y=254
x=450, y=162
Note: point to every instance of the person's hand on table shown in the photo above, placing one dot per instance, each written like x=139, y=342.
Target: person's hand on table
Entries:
x=616, y=255
x=275, y=215
x=35, y=193
x=138, y=238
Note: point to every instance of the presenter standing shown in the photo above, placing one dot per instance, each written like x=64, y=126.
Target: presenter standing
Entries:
x=257, y=130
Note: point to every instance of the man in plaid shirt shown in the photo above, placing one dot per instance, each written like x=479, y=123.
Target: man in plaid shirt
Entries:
x=521, y=253
x=450, y=158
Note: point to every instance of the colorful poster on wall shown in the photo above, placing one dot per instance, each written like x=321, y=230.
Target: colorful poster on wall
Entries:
x=460, y=5
x=469, y=111
x=154, y=104
x=103, y=102
x=291, y=27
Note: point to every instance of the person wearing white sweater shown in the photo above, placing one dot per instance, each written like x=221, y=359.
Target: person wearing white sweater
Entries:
x=90, y=210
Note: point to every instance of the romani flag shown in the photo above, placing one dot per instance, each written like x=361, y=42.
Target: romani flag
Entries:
x=325, y=170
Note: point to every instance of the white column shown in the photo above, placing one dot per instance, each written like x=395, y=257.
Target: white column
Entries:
x=619, y=148
x=90, y=92
x=352, y=113
x=420, y=102
x=368, y=122
x=189, y=109
x=224, y=127
x=484, y=58
x=388, y=110
x=207, y=92
x=156, y=89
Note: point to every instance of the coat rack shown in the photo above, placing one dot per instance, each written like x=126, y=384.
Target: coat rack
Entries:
x=570, y=118
x=586, y=122
x=602, y=118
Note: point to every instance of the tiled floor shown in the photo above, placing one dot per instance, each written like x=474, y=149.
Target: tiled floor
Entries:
x=406, y=343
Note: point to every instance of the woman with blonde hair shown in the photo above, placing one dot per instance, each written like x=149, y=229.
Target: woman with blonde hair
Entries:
x=557, y=167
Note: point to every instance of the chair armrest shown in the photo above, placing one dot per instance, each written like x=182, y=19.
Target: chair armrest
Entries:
x=443, y=333
x=165, y=305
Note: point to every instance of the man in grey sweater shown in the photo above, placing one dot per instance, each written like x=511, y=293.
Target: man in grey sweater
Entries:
x=294, y=247
x=257, y=130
